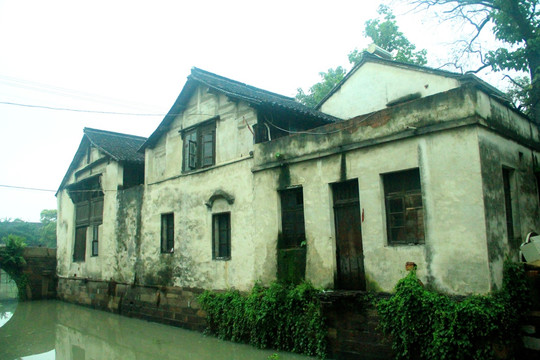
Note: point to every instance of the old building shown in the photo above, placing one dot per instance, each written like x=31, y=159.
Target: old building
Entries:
x=100, y=184
x=400, y=163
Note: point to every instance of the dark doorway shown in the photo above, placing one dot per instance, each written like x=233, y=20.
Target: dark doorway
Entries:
x=350, y=257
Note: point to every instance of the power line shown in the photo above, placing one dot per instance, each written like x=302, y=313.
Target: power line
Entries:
x=77, y=110
x=59, y=91
x=26, y=188
x=49, y=190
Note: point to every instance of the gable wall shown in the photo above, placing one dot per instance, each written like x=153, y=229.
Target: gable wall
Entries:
x=234, y=140
x=373, y=85
x=93, y=267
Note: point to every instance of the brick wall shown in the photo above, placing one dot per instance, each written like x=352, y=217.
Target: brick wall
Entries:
x=167, y=305
x=40, y=270
x=353, y=327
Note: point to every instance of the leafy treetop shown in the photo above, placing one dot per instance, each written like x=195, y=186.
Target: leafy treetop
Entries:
x=516, y=23
x=384, y=32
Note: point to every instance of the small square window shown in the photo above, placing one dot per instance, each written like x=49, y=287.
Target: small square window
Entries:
x=167, y=233
x=221, y=236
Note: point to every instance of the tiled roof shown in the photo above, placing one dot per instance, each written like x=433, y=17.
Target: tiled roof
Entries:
x=255, y=95
x=236, y=90
x=121, y=147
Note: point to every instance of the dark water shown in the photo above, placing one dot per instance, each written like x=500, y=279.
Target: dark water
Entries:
x=57, y=330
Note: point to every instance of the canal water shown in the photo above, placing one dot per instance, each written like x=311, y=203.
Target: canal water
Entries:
x=39, y=330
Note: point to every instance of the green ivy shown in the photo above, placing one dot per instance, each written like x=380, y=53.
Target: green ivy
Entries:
x=12, y=262
x=282, y=317
x=426, y=325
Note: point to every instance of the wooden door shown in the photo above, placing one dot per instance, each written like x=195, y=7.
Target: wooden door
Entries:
x=350, y=257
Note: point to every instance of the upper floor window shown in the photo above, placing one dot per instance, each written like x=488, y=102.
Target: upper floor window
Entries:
x=404, y=208
x=199, y=146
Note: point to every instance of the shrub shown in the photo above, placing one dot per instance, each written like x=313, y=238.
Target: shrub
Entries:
x=427, y=325
x=13, y=261
x=282, y=317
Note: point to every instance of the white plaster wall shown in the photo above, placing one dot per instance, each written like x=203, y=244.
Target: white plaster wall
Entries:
x=373, y=85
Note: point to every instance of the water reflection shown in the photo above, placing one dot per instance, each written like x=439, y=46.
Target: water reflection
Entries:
x=57, y=330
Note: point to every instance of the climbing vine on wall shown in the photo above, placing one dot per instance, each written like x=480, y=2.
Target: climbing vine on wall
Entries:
x=12, y=262
x=426, y=325
x=282, y=317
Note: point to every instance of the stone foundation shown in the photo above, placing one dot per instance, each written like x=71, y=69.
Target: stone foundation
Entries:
x=167, y=305
x=353, y=327
x=40, y=270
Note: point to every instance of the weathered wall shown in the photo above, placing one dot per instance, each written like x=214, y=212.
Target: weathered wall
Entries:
x=126, y=247
x=403, y=137
x=96, y=267
x=40, y=270
x=374, y=85
x=191, y=263
x=454, y=222
x=497, y=153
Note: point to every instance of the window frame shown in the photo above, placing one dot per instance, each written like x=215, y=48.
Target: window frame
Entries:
x=167, y=233
x=95, y=240
x=295, y=239
x=509, y=198
x=88, y=214
x=196, y=154
x=217, y=241
x=396, y=191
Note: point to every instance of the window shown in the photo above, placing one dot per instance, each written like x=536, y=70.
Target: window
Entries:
x=167, y=233
x=88, y=213
x=404, y=209
x=221, y=236
x=199, y=146
x=507, y=189
x=292, y=218
x=95, y=236
x=79, y=250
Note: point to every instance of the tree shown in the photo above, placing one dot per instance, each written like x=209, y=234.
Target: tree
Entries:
x=318, y=91
x=516, y=23
x=385, y=33
x=28, y=230
x=48, y=231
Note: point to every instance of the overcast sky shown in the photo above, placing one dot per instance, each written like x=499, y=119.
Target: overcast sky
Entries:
x=134, y=57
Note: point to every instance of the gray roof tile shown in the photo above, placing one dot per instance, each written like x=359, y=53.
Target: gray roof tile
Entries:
x=121, y=147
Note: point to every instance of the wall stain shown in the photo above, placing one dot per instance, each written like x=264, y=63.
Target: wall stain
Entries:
x=284, y=178
x=343, y=167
